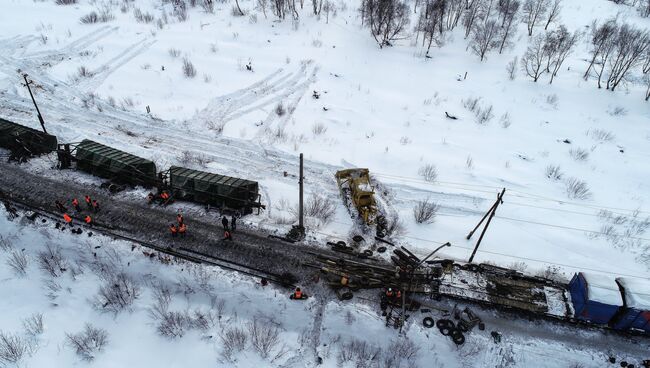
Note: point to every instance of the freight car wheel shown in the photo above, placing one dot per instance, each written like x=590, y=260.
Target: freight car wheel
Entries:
x=381, y=249
x=428, y=322
x=457, y=337
x=446, y=331
x=367, y=253
x=444, y=323
x=341, y=244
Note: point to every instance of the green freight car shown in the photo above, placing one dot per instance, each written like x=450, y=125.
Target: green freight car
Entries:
x=116, y=165
x=23, y=141
x=214, y=189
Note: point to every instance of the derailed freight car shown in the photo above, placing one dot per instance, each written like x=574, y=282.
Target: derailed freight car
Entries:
x=636, y=314
x=113, y=164
x=595, y=298
x=23, y=141
x=213, y=189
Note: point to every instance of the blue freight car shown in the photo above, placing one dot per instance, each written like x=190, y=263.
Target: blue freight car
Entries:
x=595, y=298
x=636, y=297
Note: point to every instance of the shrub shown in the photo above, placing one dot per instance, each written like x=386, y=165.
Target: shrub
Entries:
x=265, y=337
x=13, y=348
x=174, y=52
x=188, y=69
x=280, y=110
x=118, y=293
x=601, y=135
x=553, y=172
x=318, y=129
x=141, y=17
x=579, y=154
x=90, y=18
x=18, y=262
x=51, y=261
x=34, y=324
x=5, y=243
x=233, y=340
x=65, y=2
x=577, y=189
x=320, y=207
x=88, y=342
x=485, y=115
x=429, y=172
x=425, y=211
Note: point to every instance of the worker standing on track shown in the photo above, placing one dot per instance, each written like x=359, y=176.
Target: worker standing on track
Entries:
x=95, y=206
x=88, y=220
x=60, y=206
x=227, y=235
x=67, y=219
x=179, y=218
x=173, y=229
x=88, y=202
x=182, y=229
x=224, y=222
x=233, y=223
x=75, y=204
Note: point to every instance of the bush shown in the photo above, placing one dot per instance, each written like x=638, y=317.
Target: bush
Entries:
x=174, y=52
x=141, y=17
x=51, y=261
x=34, y=324
x=18, y=262
x=118, y=293
x=265, y=337
x=65, y=2
x=320, y=207
x=233, y=340
x=13, y=348
x=92, y=17
x=425, y=211
x=553, y=172
x=88, y=342
x=394, y=225
x=577, y=189
x=188, y=69
x=601, y=135
x=579, y=154
x=5, y=244
x=188, y=158
x=318, y=129
x=280, y=110
x=429, y=172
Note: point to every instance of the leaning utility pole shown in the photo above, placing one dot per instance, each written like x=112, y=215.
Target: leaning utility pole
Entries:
x=301, y=223
x=40, y=117
x=489, y=214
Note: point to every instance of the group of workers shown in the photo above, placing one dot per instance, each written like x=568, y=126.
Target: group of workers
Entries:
x=228, y=230
x=163, y=197
x=181, y=228
x=91, y=204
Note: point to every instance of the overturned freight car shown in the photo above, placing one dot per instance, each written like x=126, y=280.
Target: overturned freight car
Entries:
x=214, y=189
x=113, y=164
x=23, y=141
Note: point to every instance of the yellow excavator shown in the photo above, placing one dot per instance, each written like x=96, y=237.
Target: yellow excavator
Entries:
x=355, y=186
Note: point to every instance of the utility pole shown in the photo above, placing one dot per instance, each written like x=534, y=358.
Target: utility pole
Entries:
x=301, y=223
x=40, y=117
x=489, y=214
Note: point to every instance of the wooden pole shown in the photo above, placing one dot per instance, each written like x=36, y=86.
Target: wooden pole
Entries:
x=40, y=117
x=493, y=210
x=301, y=223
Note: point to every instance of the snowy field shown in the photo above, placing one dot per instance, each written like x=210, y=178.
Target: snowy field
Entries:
x=380, y=108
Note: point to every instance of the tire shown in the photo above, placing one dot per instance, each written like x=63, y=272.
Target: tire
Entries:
x=462, y=327
x=367, y=253
x=341, y=244
x=428, y=322
x=358, y=238
x=381, y=249
x=346, y=296
x=443, y=323
x=458, y=338
x=446, y=331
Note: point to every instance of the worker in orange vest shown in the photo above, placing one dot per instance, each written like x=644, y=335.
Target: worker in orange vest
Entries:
x=67, y=218
x=297, y=294
x=173, y=229
x=179, y=218
x=227, y=235
x=88, y=220
x=88, y=202
x=182, y=229
x=75, y=204
x=95, y=206
x=389, y=293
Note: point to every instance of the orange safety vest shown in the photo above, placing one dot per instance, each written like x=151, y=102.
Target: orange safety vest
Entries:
x=182, y=228
x=87, y=198
x=389, y=293
x=164, y=195
x=297, y=294
x=95, y=204
x=75, y=202
x=173, y=229
x=67, y=218
x=399, y=294
x=88, y=219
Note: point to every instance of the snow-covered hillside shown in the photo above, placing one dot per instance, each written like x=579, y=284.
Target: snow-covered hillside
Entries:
x=236, y=95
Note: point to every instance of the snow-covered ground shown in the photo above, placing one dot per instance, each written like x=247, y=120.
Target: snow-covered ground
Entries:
x=383, y=109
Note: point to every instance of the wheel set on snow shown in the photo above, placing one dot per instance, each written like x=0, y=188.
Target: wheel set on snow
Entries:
x=447, y=328
x=428, y=322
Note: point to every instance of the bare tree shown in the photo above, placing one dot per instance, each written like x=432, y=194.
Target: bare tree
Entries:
x=508, y=10
x=511, y=68
x=601, y=42
x=646, y=63
x=88, y=342
x=431, y=22
x=532, y=61
x=317, y=6
x=563, y=43
x=13, y=348
x=630, y=46
x=238, y=7
x=454, y=11
x=533, y=11
x=484, y=38
x=644, y=8
x=425, y=211
x=471, y=13
x=387, y=19
x=646, y=80
x=553, y=12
